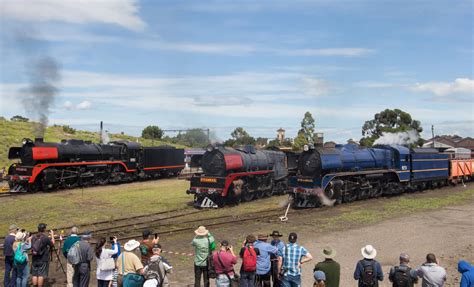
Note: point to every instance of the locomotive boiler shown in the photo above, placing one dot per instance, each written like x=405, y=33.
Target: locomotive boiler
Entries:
x=232, y=175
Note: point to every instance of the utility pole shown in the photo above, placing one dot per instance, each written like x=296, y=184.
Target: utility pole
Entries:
x=432, y=136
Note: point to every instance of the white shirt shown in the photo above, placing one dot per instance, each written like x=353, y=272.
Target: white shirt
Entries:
x=106, y=253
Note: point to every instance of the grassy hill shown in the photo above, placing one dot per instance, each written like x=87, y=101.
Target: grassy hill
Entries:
x=12, y=133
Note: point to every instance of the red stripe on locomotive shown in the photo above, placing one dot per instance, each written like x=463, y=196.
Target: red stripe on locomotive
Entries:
x=44, y=153
x=233, y=161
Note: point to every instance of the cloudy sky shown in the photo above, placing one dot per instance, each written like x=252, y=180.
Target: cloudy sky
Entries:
x=256, y=64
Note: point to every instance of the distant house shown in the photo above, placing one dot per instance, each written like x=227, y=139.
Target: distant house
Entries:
x=448, y=141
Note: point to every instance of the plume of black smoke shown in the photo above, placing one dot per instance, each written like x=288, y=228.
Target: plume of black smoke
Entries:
x=38, y=98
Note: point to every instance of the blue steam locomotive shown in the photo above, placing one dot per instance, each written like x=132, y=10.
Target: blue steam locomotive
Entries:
x=346, y=173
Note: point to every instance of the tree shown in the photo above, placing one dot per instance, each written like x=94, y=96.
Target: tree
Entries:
x=68, y=129
x=18, y=118
x=240, y=137
x=306, y=133
x=193, y=138
x=307, y=127
x=388, y=121
x=152, y=132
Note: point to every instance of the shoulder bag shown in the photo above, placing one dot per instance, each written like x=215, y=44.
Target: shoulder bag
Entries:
x=131, y=279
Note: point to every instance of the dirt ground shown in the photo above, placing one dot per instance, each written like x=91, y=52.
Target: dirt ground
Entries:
x=438, y=221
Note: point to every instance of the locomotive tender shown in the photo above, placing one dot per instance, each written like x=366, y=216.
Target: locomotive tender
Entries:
x=347, y=173
x=232, y=175
x=73, y=163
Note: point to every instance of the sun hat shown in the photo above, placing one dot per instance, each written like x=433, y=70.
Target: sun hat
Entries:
x=131, y=245
x=201, y=231
x=20, y=236
x=262, y=236
x=319, y=276
x=13, y=227
x=328, y=252
x=368, y=252
x=276, y=233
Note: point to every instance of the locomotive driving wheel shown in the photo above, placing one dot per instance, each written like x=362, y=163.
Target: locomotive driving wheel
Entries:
x=246, y=194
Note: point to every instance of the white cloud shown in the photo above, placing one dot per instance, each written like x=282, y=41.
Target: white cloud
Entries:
x=459, y=86
x=207, y=48
x=84, y=105
x=123, y=13
x=315, y=87
x=328, y=52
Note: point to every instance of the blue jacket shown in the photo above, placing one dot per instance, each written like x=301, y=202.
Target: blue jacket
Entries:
x=467, y=272
x=360, y=270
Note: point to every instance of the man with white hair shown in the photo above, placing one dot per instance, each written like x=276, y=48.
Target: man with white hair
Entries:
x=82, y=270
x=403, y=275
x=9, y=253
x=368, y=271
x=70, y=240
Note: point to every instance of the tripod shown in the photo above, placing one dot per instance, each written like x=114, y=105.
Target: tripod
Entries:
x=55, y=250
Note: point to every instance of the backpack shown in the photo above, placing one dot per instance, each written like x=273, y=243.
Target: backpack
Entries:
x=38, y=247
x=249, y=259
x=153, y=272
x=74, y=254
x=211, y=268
x=369, y=274
x=401, y=277
x=20, y=256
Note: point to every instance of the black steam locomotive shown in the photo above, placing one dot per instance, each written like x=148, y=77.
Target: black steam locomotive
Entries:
x=232, y=175
x=74, y=163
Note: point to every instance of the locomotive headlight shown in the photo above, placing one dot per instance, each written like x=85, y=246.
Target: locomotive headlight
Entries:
x=306, y=147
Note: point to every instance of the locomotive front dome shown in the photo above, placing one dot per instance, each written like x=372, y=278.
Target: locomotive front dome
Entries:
x=309, y=163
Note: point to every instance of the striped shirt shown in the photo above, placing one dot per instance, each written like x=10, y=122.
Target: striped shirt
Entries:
x=292, y=254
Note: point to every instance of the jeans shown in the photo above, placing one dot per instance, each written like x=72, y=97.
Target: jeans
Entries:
x=291, y=281
x=247, y=279
x=222, y=281
x=81, y=275
x=22, y=274
x=7, y=280
x=198, y=270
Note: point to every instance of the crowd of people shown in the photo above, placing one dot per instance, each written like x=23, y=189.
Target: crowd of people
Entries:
x=264, y=263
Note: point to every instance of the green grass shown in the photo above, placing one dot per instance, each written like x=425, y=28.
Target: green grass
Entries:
x=64, y=208
x=12, y=133
x=398, y=206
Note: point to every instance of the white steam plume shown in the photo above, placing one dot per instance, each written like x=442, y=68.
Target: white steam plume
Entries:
x=400, y=138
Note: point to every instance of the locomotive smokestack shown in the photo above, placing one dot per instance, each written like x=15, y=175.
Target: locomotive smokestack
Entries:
x=101, y=131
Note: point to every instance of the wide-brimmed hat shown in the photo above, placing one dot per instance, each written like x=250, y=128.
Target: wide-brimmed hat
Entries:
x=368, y=252
x=20, y=236
x=276, y=233
x=328, y=252
x=201, y=231
x=131, y=245
x=13, y=227
x=262, y=236
x=250, y=238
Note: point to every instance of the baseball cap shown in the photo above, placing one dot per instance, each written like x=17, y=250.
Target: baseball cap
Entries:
x=156, y=246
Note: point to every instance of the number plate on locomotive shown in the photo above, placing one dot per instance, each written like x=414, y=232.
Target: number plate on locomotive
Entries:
x=209, y=180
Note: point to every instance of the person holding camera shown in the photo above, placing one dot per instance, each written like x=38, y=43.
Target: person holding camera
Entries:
x=41, y=246
x=105, y=260
x=224, y=261
x=249, y=254
x=146, y=246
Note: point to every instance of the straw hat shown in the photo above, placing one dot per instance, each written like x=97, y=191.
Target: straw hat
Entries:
x=20, y=236
x=201, y=231
x=131, y=245
x=328, y=252
x=262, y=236
x=276, y=233
x=368, y=252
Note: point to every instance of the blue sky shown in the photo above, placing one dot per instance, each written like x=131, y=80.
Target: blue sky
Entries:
x=256, y=64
